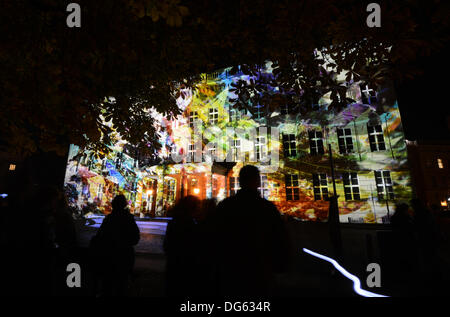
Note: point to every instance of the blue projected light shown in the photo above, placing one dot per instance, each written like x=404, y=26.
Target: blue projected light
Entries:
x=354, y=279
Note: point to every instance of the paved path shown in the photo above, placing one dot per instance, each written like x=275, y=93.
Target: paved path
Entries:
x=152, y=234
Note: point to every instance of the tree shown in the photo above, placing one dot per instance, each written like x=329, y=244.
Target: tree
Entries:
x=56, y=81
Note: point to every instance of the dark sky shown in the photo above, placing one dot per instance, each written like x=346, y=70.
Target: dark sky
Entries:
x=424, y=101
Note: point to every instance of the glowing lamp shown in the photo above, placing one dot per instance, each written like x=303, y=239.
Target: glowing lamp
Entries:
x=196, y=191
x=12, y=167
x=443, y=203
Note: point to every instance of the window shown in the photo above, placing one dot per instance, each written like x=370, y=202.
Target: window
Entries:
x=170, y=190
x=261, y=148
x=368, y=95
x=320, y=185
x=384, y=185
x=376, y=138
x=213, y=115
x=351, y=186
x=345, y=140
x=193, y=117
x=234, y=185
x=191, y=152
x=259, y=112
x=264, y=189
x=292, y=187
x=212, y=150
x=286, y=109
x=100, y=191
x=440, y=164
x=235, y=115
x=289, y=145
x=235, y=150
x=315, y=142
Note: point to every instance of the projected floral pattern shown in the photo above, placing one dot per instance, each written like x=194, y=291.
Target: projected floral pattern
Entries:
x=366, y=139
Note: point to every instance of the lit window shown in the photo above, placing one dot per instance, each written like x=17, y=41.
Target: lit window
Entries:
x=292, y=187
x=234, y=185
x=351, y=186
x=368, y=95
x=213, y=115
x=235, y=115
x=212, y=150
x=320, y=185
x=261, y=148
x=191, y=152
x=235, y=150
x=376, y=138
x=259, y=112
x=12, y=167
x=100, y=191
x=440, y=164
x=385, y=189
x=345, y=140
x=169, y=186
x=316, y=142
x=193, y=117
x=264, y=189
x=289, y=145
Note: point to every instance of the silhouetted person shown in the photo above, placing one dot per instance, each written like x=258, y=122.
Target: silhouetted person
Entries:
x=405, y=241
x=252, y=242
x=65, y=240
x=425, y=225
x=427, y=241
x=113, y=248
x=335, y=231
x=206, y=249
x=180, y=248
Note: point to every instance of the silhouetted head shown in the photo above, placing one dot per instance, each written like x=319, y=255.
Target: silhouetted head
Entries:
x=401, y=209
x=188, y=206
x=249, y=177
x=119, y=203
x=208, y=208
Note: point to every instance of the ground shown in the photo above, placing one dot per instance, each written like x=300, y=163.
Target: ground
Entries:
x=309, y=277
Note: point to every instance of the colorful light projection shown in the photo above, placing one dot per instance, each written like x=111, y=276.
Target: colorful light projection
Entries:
x=369, y=156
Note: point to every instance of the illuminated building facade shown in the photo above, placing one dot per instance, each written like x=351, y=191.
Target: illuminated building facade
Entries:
x=366, y=140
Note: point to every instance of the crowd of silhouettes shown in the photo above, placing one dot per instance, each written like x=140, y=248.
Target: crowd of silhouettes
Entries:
x=232, y=249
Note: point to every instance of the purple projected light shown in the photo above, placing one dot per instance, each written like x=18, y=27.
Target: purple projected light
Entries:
x=354, y=279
